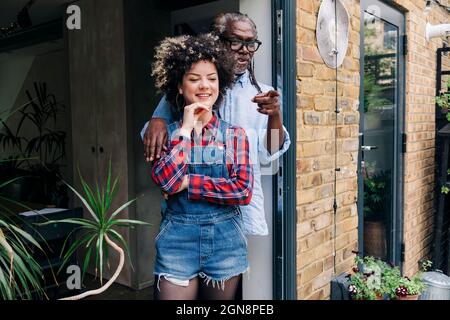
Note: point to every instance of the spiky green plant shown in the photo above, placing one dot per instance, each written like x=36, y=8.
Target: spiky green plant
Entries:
x=20, y=275
x=98, y=233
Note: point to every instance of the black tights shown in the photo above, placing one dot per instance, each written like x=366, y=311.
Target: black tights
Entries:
x=197, y=289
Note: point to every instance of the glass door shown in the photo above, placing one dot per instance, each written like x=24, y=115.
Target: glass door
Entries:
x=381, y=110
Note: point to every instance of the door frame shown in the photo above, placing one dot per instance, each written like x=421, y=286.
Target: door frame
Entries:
x=395, y=16
x=284, y=182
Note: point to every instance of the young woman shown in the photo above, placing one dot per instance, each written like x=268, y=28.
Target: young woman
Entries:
x=201, y=250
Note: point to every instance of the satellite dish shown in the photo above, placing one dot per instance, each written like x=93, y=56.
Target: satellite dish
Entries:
x=326, y=32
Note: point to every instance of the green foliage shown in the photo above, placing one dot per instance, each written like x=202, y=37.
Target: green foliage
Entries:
x=391, y=276
x=375, y=194
x=425, y=265
x=373, y=93
x=97, y=202
x=20, y=275
x=413, y=286
x=47, y=145
x=373, y=279
x=365, y=283
x=39, y=112
x=443, y=101
x=374, y=69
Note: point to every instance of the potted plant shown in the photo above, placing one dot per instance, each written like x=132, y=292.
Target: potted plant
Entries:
x=365, y=282
x=374, y=279
x=399, y=287
x=443, y=101
x=99, y=232
x=391, y=276
x=410, y=289
x=46, y=144
x=375, y=209
x=20, y=275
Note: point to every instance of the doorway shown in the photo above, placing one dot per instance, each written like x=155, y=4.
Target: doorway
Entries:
x=381, y=125
x=259, y=282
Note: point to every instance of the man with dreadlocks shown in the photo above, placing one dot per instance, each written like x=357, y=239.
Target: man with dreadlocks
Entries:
x=248, y=104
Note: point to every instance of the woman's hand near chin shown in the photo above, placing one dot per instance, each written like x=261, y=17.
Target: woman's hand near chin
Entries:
x=191, y=115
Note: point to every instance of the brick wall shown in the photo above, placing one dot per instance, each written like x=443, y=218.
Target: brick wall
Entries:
x=420, y=127
x=315, y=147
x=315, y=158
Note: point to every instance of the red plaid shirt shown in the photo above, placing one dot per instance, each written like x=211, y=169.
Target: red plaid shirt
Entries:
x=169, y=170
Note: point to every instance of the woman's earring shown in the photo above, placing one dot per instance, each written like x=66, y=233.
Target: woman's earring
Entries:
x=220, y=100
x=178, y=106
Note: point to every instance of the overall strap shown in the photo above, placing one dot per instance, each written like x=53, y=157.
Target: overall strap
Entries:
x=223, y=130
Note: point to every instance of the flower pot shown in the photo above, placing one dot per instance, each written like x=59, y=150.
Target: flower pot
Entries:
x=378, y=297
x=375, y=239
x=409, y=297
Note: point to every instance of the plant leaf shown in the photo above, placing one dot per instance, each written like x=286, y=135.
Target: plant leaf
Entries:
x=86, y=204
x=117, y=211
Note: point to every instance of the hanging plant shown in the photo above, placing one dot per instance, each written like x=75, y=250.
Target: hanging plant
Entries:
x=21, y=276
x=443, y=101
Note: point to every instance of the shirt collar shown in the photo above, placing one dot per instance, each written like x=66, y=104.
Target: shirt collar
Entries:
x=210, y=127
x=213, y=123
x=243, y=79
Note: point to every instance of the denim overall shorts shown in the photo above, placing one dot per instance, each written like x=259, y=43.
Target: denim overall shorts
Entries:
x=199, y=238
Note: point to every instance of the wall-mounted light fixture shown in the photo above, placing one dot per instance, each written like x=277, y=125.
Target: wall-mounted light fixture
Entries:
x=438, y=30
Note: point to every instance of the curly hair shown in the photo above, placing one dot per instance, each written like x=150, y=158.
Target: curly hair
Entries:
x=175, y=56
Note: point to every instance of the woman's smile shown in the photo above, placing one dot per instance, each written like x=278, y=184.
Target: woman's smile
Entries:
x=203, y=96
x=201, y=84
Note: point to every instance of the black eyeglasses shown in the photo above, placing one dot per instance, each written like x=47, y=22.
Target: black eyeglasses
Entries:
x=236, y=44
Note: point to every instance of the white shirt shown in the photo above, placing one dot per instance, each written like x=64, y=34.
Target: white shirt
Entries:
x=238, y=109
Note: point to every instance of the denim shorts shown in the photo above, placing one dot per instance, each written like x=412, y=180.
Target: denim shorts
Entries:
x=213, y=247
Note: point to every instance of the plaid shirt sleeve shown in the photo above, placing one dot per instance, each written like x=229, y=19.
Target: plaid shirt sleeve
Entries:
x=237, y=189
x=169, y=170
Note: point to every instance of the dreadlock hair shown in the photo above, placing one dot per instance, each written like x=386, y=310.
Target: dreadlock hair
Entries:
x=175, y=56
x=251, y=71
x=219, y=26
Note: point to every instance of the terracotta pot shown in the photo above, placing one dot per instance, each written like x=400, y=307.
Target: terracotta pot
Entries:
x=375, y=239
x=409, y=297
x=378, y=297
